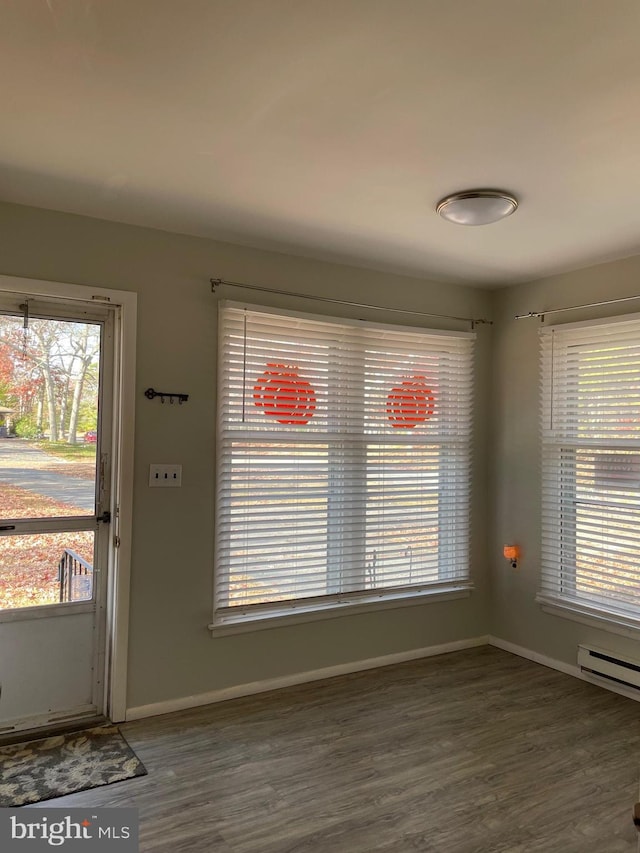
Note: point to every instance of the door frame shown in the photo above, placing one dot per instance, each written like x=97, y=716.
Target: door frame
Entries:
x=115, y=644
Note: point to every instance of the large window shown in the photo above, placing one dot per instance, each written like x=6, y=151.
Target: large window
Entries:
x=343, y=462
x=591, y=468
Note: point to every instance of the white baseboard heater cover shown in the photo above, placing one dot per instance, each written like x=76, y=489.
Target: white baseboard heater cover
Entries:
x=608, y=666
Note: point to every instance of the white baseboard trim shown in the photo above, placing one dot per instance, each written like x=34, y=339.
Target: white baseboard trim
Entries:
x=552, y=663
x=168, y=706
x=567, y=668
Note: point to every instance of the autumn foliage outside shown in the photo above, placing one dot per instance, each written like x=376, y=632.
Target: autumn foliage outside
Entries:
x=48, y=400
x=29, y=564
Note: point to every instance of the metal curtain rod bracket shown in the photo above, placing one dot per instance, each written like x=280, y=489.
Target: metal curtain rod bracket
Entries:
x=541, y=314
x=216, y=282
x=151, y=394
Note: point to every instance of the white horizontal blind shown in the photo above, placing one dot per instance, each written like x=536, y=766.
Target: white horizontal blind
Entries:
x=343, y=460
x=591, y=466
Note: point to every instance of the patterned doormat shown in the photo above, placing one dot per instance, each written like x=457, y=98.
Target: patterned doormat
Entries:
x=63, y=764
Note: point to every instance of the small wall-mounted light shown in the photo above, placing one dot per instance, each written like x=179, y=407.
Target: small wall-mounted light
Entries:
x=512, y=553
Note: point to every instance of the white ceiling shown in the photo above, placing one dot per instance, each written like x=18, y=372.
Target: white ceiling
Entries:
x=330, y=128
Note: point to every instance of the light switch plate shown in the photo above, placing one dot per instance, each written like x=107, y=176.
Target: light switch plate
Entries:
x=165, y=476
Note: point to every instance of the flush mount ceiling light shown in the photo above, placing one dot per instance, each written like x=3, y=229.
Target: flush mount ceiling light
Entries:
x=476, y=207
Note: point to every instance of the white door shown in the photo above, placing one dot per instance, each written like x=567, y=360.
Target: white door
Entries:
x=56, y=380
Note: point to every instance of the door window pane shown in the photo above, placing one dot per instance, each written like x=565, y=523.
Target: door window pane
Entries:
x=49, y=375
x=46, y=568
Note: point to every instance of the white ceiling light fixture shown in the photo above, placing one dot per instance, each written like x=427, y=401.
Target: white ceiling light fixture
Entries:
x=477, y=207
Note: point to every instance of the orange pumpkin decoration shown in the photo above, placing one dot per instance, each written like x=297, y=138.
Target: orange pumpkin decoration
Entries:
x=413, y=402
x=283, y=395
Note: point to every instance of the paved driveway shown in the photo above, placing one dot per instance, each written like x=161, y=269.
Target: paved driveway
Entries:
x=26, y=467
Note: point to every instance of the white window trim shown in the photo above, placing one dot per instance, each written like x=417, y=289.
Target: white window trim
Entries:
x=564, y=606
x=307, y=610
x=333, y=610
x=589, y=616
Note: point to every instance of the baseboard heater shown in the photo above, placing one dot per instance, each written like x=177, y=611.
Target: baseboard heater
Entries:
x=606, y=666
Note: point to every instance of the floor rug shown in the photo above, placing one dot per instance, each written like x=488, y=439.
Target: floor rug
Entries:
x=63, y=764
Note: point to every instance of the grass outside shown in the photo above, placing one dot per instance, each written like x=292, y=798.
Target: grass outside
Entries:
x=73, y=452
x=29, y=563
x=57, y=457
x=76, y=460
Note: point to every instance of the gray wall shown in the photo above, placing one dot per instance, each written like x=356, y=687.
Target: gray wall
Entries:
x=515, y=427
x=171, y=653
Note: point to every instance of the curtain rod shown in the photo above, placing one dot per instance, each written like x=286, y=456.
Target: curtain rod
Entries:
x=216, y=282
x=541, y=314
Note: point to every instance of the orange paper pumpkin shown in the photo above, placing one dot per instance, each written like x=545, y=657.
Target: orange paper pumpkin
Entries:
x=411, y=403
x=283, y=395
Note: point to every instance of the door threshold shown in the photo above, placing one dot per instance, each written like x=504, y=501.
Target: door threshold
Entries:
x=51, y=729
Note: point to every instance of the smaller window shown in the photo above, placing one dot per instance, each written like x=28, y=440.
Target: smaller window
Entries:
x=591, y=467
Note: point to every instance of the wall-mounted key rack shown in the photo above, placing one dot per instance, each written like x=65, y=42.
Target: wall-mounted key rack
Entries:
x=151, y=394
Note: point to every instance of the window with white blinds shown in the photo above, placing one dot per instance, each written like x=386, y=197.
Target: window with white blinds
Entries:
x=343, y=462
x=591, y=468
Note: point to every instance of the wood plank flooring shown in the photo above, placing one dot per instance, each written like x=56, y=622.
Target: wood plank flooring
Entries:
x=472, y=752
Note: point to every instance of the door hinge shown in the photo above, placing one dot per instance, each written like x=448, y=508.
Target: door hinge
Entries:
x=116, y=541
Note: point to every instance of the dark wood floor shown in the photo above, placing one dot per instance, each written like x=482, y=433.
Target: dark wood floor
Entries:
x=473, y=751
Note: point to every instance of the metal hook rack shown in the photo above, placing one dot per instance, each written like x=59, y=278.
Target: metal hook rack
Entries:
x=151, y=394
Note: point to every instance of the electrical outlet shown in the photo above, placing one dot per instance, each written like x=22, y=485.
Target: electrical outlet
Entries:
x=165, y=476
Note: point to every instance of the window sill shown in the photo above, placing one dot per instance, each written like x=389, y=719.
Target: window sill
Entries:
x=333, y=610
x=610, y=622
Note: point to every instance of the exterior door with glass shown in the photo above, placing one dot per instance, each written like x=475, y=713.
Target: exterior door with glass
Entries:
x=56, y=378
